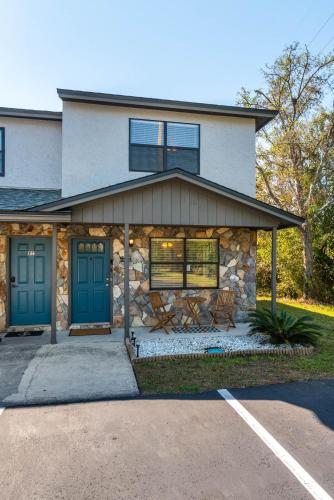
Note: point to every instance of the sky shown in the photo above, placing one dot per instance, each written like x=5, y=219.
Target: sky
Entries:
x=195, y=50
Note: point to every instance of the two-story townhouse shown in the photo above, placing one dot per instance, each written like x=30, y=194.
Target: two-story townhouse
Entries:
x=117, y=196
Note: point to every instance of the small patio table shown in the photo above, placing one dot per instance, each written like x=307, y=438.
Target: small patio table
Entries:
x=191, y=304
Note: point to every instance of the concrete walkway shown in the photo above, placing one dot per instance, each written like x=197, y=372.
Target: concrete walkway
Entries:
x=76, y=371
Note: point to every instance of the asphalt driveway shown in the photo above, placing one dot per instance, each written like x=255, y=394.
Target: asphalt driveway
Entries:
x=193, y=447
x=75, y=371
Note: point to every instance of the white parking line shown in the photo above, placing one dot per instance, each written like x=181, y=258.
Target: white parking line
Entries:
x=297, y=470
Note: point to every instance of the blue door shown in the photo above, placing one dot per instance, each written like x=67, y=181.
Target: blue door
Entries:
x=90, y=281
x=30, y=281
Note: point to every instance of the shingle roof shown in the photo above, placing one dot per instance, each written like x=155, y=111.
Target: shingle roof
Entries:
x=19, y=199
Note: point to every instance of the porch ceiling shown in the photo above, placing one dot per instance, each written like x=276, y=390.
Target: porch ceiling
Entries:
x=172, y=198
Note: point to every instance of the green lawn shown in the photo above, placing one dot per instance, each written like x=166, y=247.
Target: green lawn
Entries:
x=185, y=376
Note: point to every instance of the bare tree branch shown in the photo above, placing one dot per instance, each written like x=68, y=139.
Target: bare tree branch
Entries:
x=269, y=189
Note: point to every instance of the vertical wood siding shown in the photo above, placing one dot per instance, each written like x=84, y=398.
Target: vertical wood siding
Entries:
x=171, y=202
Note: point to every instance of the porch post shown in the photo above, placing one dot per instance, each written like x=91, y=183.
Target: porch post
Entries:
x=273, y=268
x=126, y=282
x=54, y=285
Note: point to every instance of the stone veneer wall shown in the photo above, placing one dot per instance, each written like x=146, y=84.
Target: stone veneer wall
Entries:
x=237, y=266
x=65, y=232
x=14, y=229
x=236, y=271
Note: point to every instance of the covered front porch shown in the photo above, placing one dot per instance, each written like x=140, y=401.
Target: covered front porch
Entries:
x=114, y=233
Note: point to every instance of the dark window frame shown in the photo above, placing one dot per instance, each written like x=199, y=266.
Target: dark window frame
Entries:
x=184, y=264
x=165, y=147
x=2, y=163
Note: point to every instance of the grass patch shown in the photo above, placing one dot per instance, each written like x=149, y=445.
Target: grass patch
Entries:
x=191, y=376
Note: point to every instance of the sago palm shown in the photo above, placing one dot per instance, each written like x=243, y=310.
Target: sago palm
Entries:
x=282, y=328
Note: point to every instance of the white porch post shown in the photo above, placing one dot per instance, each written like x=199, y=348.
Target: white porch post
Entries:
x=54, y=285
x=273, y=268
x=126, y=282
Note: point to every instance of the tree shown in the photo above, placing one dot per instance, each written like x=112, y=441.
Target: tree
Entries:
x=295, y=154
x=289, y=264
x=324, y=257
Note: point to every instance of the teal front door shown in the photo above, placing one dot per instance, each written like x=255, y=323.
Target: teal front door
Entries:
x=90, y=281
x=30, y=281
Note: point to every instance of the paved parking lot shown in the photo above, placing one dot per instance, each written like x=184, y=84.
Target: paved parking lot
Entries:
x=194, y=447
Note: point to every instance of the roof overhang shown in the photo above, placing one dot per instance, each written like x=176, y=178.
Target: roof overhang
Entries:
x=286, y=219
x=34, y=217
x=261, y=116
x=30, y=114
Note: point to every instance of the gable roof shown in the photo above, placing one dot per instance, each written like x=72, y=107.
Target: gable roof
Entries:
x=286, y=219
x=20, y=199
x=261, y=116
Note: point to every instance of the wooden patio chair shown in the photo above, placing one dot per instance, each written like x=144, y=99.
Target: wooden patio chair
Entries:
x=163, y=317
x=224, y=308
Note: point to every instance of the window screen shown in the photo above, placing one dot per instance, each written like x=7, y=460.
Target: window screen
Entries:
x=2, y=151
x=185, y=159
x=146, y=159
x=156, y=146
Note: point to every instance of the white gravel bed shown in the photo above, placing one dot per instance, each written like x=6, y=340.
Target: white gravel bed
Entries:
x=188, y=345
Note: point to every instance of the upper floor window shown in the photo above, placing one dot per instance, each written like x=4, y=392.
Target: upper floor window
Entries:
x=156, y=146
x=2, y=151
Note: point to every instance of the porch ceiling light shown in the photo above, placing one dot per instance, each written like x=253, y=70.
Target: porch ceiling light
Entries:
x=131, y=242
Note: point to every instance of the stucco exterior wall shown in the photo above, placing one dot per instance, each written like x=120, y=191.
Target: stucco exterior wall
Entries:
x=32, y=153
x=95, y=149
x=237, y=263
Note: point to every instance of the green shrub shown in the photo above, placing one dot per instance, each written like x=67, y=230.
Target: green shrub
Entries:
x=282, y=328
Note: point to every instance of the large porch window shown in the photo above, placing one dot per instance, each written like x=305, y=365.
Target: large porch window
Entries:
x=185, y=263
